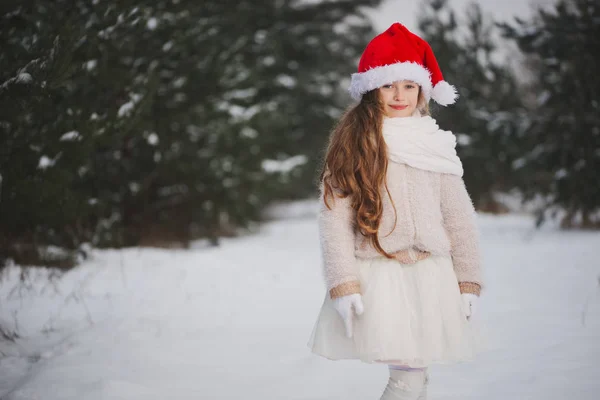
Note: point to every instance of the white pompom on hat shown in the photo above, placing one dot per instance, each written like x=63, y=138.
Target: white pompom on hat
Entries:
x=398, y=54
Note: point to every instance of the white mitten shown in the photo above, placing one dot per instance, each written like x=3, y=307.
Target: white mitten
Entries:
x=469, y=304
x=346, y=306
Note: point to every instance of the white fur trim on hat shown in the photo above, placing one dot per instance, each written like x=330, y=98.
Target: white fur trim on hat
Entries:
x=444, y=93
x=362, y=82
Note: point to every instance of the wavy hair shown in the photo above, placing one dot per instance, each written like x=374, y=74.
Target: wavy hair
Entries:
x=356, y=163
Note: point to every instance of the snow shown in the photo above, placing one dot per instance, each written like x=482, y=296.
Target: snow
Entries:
x=128, y=107
x=543, y=97
x=240, y=113
x=134, y=187
x=232, y=322
x=260, y=36
x=45, y=162
x=125, y=109
x=24, y=77
x=286, y=81
x=248, y=132
x=69, y=136
x=272, y=166
x=152, y=139
x=152, y=24
x=21, y=77
x=519, y=163
x=561, y=173
x=463, y=139
x=91, y=64
x=179, y=82
x=241, y=93
x=268, y=61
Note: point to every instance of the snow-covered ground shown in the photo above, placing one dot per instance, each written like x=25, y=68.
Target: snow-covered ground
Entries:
x=232, y=322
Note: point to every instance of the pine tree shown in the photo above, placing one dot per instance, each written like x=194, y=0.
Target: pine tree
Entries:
x=562, y=156
x=132, y=122
x=489, y=114
x=41, y=150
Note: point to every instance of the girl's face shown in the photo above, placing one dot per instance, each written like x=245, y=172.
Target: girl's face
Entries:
x=400, y=99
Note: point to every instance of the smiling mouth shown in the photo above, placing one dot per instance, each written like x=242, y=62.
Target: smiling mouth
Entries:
x=399, y=107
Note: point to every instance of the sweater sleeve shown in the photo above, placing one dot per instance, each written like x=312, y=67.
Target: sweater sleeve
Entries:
x=336, y=232
x=460, y=223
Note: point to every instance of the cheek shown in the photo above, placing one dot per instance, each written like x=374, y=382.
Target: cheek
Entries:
x=384, y=95
x=414, y=97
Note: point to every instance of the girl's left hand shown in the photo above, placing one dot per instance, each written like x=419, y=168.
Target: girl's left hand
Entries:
x=469, y=304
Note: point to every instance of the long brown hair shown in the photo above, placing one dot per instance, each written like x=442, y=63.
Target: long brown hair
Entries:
x=356, y=163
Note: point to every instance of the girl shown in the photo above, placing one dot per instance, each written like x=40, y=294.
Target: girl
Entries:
x=397, y=226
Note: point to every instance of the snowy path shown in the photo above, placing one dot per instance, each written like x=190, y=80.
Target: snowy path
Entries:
x=233, y=322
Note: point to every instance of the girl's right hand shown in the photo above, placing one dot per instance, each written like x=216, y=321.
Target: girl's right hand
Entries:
x=469, y=304
x=347, y=306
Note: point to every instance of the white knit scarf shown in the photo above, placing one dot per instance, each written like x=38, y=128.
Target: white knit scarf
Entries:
x=419, y=142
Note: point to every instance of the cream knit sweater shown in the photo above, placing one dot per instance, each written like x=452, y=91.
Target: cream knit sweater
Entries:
x=434, y=214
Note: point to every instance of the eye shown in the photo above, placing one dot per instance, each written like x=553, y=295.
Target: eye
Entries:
x=388, y=86
x=409, y=86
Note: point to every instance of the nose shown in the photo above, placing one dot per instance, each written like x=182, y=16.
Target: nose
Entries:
x=398, y=94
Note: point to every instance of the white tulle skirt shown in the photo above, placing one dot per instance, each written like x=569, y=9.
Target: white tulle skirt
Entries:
x=413, y=315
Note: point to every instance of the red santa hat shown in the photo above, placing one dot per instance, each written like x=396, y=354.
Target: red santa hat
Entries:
x=398, y=54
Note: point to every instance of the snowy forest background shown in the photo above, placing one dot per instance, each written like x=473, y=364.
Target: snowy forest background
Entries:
x=158, y=122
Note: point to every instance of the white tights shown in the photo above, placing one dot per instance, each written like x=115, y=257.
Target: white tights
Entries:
x=406, y=384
